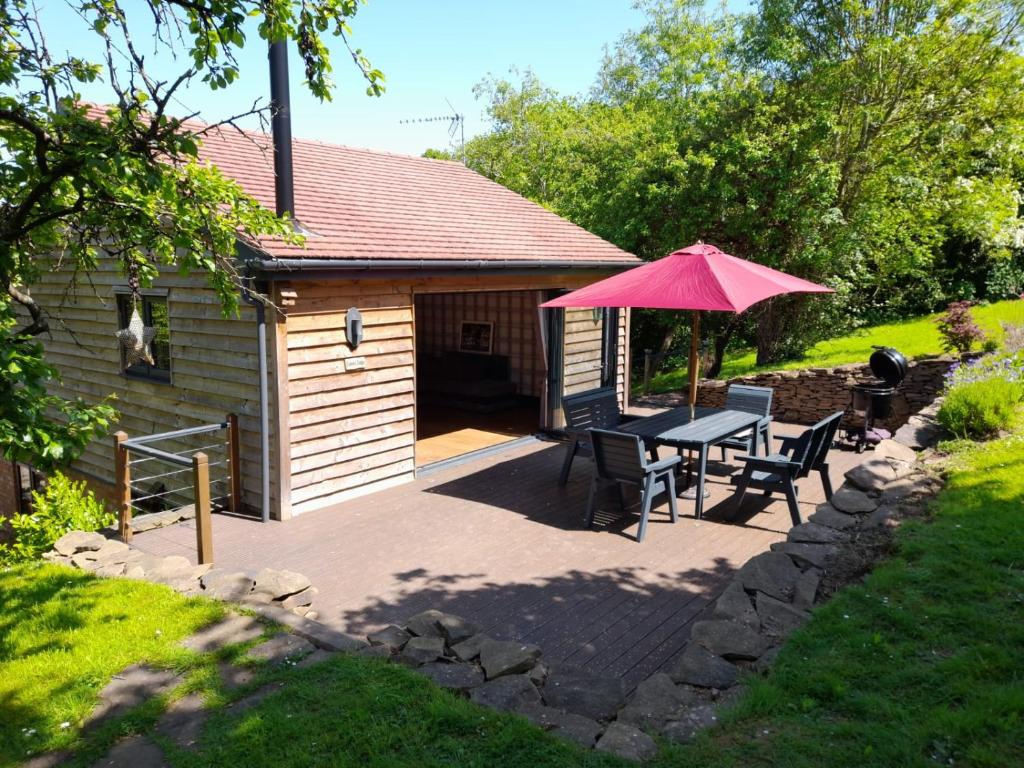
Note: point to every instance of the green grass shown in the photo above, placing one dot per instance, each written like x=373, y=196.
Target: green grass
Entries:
x=923, y=664
x=914, y=338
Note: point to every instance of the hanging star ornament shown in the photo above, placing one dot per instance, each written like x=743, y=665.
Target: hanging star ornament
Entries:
x=135, y=341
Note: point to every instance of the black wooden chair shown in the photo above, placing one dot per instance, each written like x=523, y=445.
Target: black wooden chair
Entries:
x=756, y=400
x=620, y=459
x=594, y=409
x=798, y=458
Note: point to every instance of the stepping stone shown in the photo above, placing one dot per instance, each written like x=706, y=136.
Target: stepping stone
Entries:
x=919, y=432
x=421, y=650
x=694, y=720
x=507, y=693
x=657, y=700
x=254, y=699
x=812, y=533
x=48, y=760
x=233, y=630
x=183, y=722
x=453, y=677
x=699, y=666
x=875, y=474
x=134, y=752
x=130, y=688
x=230, y=586
x=575, y=728
x=315, y=657
x=734, y=604
x=507, y=657
x=584, y=693
x=830, y=517
x=807, y=555
x=233, y=676
x=778, y=619
x=627, y=742
x=771, y=573
x=852, y=501
x=728, y=639
x=891, y=449
x=74, y=542
x=391, y=637
x=281, y=648
x=280, y=584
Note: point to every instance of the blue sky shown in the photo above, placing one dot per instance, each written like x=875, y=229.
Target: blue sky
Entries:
x=429, y=52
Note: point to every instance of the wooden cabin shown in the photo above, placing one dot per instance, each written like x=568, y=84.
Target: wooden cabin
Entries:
x=442, y=270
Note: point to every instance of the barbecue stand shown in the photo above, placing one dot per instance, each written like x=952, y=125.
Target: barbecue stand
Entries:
x=871, y=400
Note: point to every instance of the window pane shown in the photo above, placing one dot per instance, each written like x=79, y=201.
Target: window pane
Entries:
x=154, y=314
x=161, y=345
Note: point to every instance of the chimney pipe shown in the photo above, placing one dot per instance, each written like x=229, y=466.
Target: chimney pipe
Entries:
x=281, y=128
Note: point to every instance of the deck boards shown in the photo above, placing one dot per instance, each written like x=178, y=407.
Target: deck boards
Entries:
x=497, y=541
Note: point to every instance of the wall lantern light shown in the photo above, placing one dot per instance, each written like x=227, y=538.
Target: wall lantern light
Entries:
x=354, y=327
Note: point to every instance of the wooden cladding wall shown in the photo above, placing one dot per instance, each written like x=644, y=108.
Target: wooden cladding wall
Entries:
x=515, y=333
x=213, y=366
x=582, y=351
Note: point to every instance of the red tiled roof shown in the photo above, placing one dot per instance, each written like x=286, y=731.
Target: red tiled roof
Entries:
x=364, y=204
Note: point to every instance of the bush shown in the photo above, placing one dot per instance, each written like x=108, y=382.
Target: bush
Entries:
x=958, y=329
x=63, y=506
x=980, y=409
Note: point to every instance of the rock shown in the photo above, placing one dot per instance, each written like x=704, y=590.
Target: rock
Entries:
x=883, y=517
x=728, y=639
x=806, y=555
x=778, y=619
x=183, y=722
x=112, y=552
x=656, y=701
x=378, y=651
x=891, y=449
x=132, y=571
x=426, y=624
x=421, y=650
x=281, y=648
x=130, y=688
x=852, y=501
x=734, y=604
x=74, y=542
x=763, y=664
x=699, y=666
x=806, y=589
x=454, y=677
x=233, y=676
x=539, y=673
x=231, y=586
x=167, y=570
x=584, y=693
x=685, y=729
x=507, y=693
x=301, y=599
x=133, y=752
x=830, y=517
x=507, y=657
x=456, y=629
x=919, y=432
x=875, y=474
x=280, y=584
x=576, y=728
x=112, y=570
x=771, y=573
x=231, y=630
x=918, y=484
x=469, y=649
x=627, y=742
x=315, y=657
x=812, y=533
x=391, y=637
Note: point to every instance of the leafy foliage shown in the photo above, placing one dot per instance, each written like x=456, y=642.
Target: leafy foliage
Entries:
x=79, y=182
x=63, y=506
x=983, y=397
x=958, y=329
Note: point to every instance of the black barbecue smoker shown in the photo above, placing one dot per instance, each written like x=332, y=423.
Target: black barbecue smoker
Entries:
x=871, y=400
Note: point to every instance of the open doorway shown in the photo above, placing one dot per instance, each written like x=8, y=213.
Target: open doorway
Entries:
x=479, y=371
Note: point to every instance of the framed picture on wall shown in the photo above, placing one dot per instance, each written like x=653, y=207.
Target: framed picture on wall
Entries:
x=476, y=337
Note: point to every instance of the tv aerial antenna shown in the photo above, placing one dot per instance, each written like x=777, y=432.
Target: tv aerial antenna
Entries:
x=456, y=124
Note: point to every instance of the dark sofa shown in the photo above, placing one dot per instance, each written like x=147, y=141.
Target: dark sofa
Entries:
x=464, y=380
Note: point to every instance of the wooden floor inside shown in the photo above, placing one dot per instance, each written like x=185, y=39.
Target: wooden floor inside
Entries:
x=444, y=432
x=498, y=541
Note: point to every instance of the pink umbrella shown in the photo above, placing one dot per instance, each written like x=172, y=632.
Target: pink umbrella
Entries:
x=697, y=278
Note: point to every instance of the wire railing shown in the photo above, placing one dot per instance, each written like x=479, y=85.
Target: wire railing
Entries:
x=177, y=474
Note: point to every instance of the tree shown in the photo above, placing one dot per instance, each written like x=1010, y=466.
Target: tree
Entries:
x=78, y=181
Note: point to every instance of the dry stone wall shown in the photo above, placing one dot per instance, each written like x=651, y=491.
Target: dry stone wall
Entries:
x=808, y=395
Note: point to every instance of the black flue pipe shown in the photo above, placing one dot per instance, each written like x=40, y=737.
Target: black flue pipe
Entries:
x=281, y=127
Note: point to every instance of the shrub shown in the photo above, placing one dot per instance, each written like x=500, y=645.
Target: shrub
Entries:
x=62, y=506
x=980, y=409
x=958, y=329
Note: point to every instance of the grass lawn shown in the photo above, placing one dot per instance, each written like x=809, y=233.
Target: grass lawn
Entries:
x=923, y=664
x=914, y=338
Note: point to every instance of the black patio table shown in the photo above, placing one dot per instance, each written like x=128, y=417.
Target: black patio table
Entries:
x=708, y=428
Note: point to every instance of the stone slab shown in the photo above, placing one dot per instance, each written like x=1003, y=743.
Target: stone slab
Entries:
x=627, y=742
x=281, y=648
x=421, y=650
x=575, y=690
x=232, y=630
x=694, y=720
x=892, y=449
x=829, y=516
x=183, y=722
x=812, y=533
x=806, y=555
x=130, y=688
x=771, y=573
x=454, y=677
x=656, y=701
x=73, y=542
x=280, y=584
x=734, y=604
x=392, y=637
x=728, y=639
x=507, y=693
x=230, y=586
x=699, y=666
x=318, y=634
x=852, y=501
x=507, y=657
x=133, y=752
x=575, y=728
x=778, y=619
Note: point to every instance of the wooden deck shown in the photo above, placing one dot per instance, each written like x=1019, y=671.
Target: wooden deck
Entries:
x=497, y=541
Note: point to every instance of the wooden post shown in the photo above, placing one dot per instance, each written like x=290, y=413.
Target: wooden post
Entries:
x=648, y=366
x=122, y=480
x=235, y=502
x=201, y=484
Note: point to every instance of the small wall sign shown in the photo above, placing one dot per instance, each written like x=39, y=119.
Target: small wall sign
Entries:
x=355, y=363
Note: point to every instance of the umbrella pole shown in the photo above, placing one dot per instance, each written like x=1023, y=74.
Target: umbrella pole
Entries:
x=691, y=493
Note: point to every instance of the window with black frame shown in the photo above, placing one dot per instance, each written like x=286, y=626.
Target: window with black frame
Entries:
x=153, y=310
